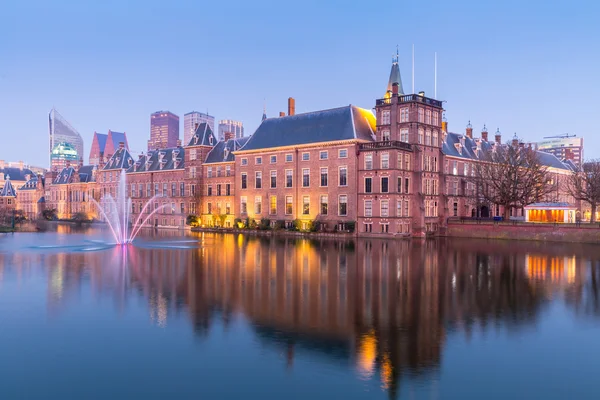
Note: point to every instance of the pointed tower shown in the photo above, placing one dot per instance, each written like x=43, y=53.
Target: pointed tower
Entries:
x=264, y=112
x=394, y=77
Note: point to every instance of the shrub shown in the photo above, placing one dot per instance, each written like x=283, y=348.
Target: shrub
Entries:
x=192, y=220
x=50, y=214
x=279, y=224
x=239, y=223
x=265, y=224
x=251, y=223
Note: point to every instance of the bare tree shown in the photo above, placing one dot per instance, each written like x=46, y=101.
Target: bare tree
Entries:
x=511, y=176
x=584, y=185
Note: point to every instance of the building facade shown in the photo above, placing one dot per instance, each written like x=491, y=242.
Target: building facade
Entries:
x=230, y=126
x=63, y=155
x=60, y=131
x=191, y=121
x=104, y=146
x=71, y=190
x=164, y=130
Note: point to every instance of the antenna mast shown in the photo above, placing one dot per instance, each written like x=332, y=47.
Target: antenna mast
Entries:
x=413, y=69
x=435, y=76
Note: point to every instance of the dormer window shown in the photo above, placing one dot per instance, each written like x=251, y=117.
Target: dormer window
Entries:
x=210, y=140
x=458, y=147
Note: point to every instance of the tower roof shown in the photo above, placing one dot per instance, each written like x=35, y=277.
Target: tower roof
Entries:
x=395, y=76
x=8, y=190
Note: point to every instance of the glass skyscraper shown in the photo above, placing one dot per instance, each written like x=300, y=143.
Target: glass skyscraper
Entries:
x=230, y=126
x=164, y=130
x=62, y=132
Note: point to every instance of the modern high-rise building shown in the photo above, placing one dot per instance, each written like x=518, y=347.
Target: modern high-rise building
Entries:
x=230, y=126
x=62, y=132
x=193, y=119
x=164, y=130
x=564, y=148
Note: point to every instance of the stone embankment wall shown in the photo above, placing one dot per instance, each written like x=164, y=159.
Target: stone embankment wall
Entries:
x=545, y=232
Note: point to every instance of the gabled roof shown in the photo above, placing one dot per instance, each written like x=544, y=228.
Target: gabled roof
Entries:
x=120, y=160
x=8, y=190
x=160, y=160
x=86, y=173
x=223, y=151
x=203, y=136
x=343, y=123
x=30, y=184
x=461, y=146
x=66, y=175
x=395, y=77
x=16, y=174
x=101, y=137
x=118, y=137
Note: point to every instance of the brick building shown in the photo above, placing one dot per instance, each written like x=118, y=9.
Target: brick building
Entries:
x=105, y=145
x=31, y=197
x=196, y=152
x=71, y=190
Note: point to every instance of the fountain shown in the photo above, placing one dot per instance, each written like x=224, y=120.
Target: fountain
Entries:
x=117, y=212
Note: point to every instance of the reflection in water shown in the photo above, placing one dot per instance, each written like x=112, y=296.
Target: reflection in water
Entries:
x=385, y=307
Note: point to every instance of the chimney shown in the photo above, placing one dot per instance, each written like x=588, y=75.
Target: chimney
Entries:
x=444, y=123
x=484, y=133
x=422, y=94
x=291, y=106
x=21, y=165
x=229, y=135
x=522, y=145
x=121, y=145
x=281, y=114
x=195, y=127
x=498, y=136
x=395, y=89
x=469, y=130
x=178, y=142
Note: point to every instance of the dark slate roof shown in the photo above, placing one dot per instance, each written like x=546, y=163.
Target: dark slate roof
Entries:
x=66, y=175
x=159, y=160
x=16, y=174
x=550, y=204
x=120, y=160
x=102, y=137
x=395, y=77
x=8, y=190
x=203, y=136
x=30, y=184
x=223, y=151
x=117, y=137
x=42, y=200
x=468, y=146
x=344, y=123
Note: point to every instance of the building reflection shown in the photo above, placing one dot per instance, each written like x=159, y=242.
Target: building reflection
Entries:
x=386, y=308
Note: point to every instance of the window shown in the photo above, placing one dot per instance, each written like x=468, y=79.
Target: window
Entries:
x=209, y=172
x=243, y=204
x=164, y=191
x=343, y=176
x=404, y=115
x=368, y=185
x=385, y=208
x=454, y=167
x=428, y=117
x=244, y=161
x=406, y=209
x=133, y=186
x=436, y=118
x=227, y=208
x=369, y=161
x=181, y=189
x=273, y=179
x=323, y=155
x=404, y=135
x=192, y=154
x=343, y=153
x=182, y=208
x=455, y=209
x=172, y=208
x=289, y=158
x=385, y=117
x=244, y=180
x=219, y=171
x=385, y=184
x=343, y=205
x=428, y=137
x=407, y=161
x=228, y=189
x=273, y=159
x=209, y=190
x=258, y=205
x=273, y=205
x=421, y=115
x=385, y=136
x=218, y=190
x=305, y=177
x=192, y=172
x=173, y=189
x=209, y=208
x=368, y=208
x=399, y=188
x=288, y=205
x=323, y=177
x=192, y=190
x=455, y=188
x=305, y=156
x=289, y=178
x=434, y=138
x=324, y=204
x=228, y=170
x=258, y=160
x=305, y=205
x=385, y=160
x=398, y=208
x=406, y=186
x=420, y=136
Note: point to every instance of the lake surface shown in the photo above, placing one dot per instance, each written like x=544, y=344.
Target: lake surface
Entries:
x=209, y=316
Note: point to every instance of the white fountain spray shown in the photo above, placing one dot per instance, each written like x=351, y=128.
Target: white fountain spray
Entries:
x=117, y=213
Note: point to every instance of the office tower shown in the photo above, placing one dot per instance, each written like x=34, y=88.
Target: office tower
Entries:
x=228, y=125
x=564, y=147
x=62, y=132
x=164, y=130
x=193, y=119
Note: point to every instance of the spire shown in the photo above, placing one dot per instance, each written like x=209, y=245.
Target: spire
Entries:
x=395, y=75
x=264, y=111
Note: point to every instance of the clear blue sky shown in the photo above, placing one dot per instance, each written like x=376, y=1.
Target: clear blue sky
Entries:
x=529, y=67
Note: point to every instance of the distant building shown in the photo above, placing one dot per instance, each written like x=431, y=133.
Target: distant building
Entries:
x=230, y=126
x=63, y=155
x=192, y=120
x=567, y=148
x=164, y=130
x=105, y=145
x=62, y=132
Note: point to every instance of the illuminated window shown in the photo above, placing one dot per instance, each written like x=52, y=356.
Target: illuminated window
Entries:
x=305, y=205
x=324, y=204
x=243, y=204
x=288, y=205
x=258, y=205
x=273, y=205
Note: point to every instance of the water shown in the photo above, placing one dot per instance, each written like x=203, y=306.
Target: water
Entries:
x=229, y=317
